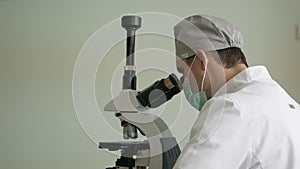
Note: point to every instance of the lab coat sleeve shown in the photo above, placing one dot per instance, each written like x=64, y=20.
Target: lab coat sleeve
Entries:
x=220, y=139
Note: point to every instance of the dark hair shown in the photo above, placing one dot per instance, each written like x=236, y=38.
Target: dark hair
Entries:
x=229, y=57
x=232, y=56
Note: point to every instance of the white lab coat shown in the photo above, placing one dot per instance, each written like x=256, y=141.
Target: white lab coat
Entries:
x=250, y=123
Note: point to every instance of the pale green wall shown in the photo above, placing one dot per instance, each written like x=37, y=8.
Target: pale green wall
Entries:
x=40, y=41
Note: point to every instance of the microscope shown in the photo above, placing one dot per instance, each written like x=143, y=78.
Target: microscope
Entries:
x=160, y=150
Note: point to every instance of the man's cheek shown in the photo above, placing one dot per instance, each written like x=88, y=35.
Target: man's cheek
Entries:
x=194, y=85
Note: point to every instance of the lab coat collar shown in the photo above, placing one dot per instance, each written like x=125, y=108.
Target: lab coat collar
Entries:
x=248, y=75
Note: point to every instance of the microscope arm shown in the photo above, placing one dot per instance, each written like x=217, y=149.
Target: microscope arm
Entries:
x=164, y=150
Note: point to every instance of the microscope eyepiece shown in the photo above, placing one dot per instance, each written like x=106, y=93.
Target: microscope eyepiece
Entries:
x=160, y=91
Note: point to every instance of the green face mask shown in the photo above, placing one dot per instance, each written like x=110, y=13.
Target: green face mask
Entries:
x=197, y=100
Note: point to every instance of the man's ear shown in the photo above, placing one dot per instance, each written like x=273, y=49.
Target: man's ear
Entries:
x=203, y=58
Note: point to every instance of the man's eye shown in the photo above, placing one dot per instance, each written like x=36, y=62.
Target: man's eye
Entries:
x=180, y=70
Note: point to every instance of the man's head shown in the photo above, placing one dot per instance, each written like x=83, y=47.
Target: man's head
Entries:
x=210, y=48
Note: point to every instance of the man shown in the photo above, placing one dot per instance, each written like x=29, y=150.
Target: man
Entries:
x=246, y=120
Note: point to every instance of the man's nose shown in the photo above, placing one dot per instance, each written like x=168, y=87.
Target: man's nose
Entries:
x=182, y=80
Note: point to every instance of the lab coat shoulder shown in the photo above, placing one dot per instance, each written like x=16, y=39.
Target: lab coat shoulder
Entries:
x=218, y=132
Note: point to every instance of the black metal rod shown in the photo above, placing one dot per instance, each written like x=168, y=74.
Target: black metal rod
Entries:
x=130, y=47
x=129, y=78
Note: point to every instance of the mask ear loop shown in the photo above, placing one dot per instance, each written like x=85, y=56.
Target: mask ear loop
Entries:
x=205, y=71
